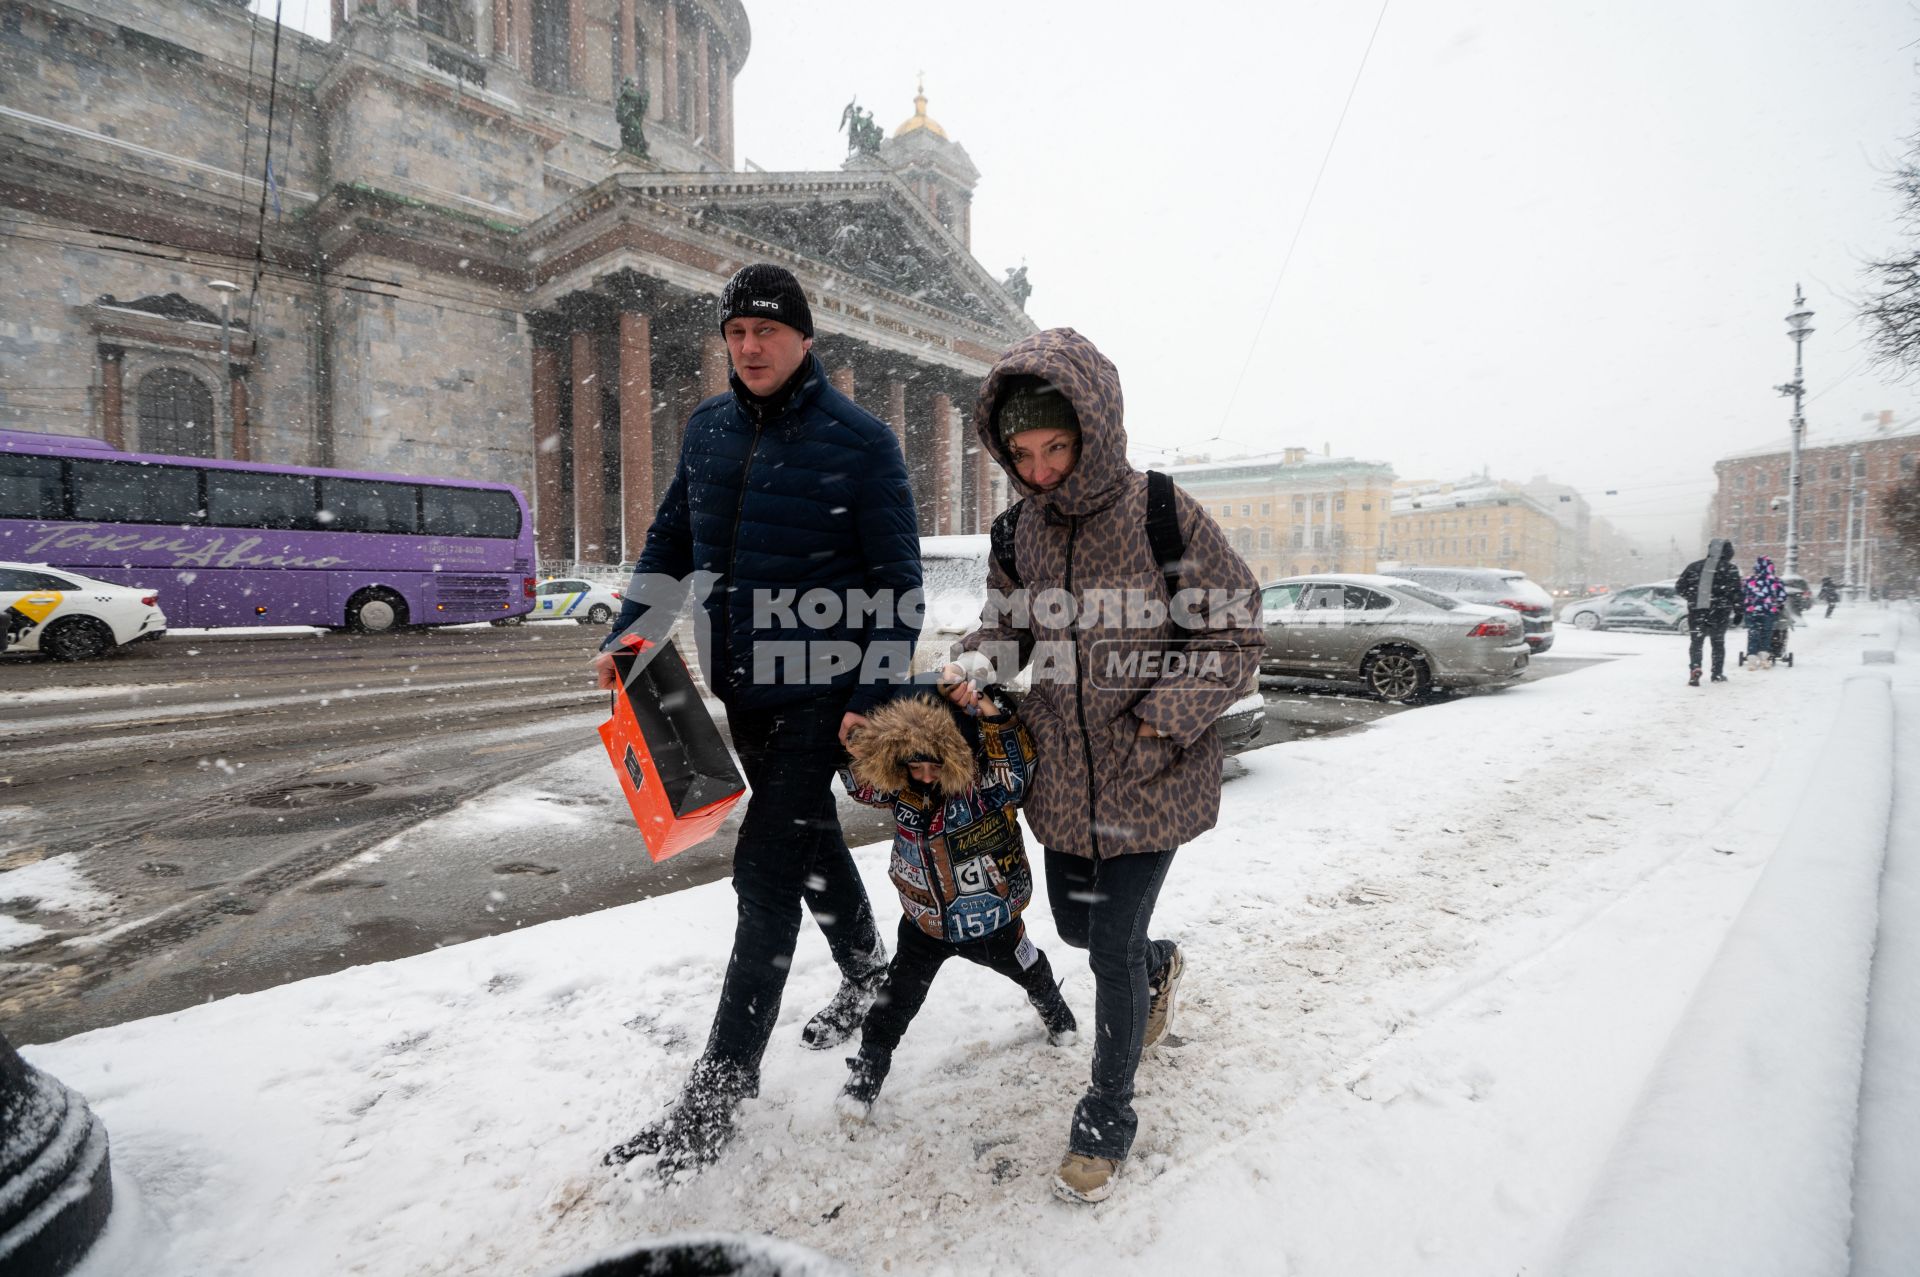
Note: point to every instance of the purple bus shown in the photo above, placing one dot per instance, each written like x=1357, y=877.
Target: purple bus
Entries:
x=240, y=543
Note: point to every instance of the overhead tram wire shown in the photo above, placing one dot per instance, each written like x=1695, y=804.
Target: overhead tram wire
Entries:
x=266, y=169
x=246, y=124
x=1301, y=225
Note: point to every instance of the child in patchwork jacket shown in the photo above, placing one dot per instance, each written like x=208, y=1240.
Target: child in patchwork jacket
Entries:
x=958, y=862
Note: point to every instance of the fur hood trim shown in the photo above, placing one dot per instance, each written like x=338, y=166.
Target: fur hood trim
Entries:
x=903, y=728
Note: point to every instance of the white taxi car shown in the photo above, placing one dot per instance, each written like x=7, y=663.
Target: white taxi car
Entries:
x=576, y=599
x=72, y=617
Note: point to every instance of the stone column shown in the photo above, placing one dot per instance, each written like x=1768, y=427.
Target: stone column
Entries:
x=549, y=521
x=714, y=365
x=589, y=480
x=636, y=432
x=237, y=410
x=723, y=101
x=339, y=17
x=670, y=64
x=897, y=410
x=576, y=45
x=841, y=378
x=945, y=493
x=502, y=29
x=702, y=72
x=113, y=366
x=625, y=18
x=523, y=38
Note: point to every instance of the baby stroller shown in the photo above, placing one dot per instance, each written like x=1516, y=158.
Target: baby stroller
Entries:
x=1778, y=647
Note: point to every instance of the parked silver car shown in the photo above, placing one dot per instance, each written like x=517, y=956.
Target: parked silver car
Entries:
x=1494, y=587
x=1398, y=638
x=1653, y=606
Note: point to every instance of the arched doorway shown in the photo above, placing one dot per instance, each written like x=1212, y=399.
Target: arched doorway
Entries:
x=176, y=414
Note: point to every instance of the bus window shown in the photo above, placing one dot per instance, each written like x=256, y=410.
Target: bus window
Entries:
x=364, y=505
x=251, y=499
x=469, y=512
x=130, y=492
x=29, y=487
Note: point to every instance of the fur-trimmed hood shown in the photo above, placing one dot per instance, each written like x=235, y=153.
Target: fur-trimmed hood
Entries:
x=906, y=727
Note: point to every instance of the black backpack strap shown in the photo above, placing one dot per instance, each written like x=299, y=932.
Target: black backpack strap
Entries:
x=1001, y=534
x=1164, y=538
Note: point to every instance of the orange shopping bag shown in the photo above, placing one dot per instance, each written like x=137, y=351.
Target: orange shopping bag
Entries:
x=672, y=762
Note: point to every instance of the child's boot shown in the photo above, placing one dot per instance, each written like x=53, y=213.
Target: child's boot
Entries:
x=865, y=1074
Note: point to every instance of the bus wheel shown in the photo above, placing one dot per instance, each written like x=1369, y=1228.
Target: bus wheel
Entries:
x=599, y=614
x=78, y=638
x=376, y=612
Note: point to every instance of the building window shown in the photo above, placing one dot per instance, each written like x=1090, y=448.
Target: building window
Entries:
x=1243, y=540
x=1906, y=464
x=1833, y=501
x=1246, y=511
x=1833, y=471
x=1506, y=544
x=1833, y=529
x=1340, y=503
x=448, y=19
x=1299, y=538
x=1299, y=505
x=1266, y=538
x=552, y=45
x=176, y=414
x=1226, y=511
x=1266, y=509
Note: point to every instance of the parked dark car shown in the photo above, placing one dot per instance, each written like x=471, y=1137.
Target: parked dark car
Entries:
x=1799, y=593
x=1492, y=587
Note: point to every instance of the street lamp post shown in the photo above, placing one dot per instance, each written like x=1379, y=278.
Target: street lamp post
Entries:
x=1799, y=330
x=226, y=288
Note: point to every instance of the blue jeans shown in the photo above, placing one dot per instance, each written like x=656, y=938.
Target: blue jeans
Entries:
x=1104, y=907
x=1760, y=632
x=790, y=850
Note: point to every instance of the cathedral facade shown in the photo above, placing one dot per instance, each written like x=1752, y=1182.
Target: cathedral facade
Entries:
x=479, y=238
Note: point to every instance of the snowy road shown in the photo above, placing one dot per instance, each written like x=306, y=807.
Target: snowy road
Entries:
x=1420, y=1013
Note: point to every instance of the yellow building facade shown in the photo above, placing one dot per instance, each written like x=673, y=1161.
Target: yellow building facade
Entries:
x=1289, y=513
x=1478, y=523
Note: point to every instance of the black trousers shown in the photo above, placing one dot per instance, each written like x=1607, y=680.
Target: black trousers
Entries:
x=917, y=959
x=1104, y=907
x=1705, y=624
x=790, y=850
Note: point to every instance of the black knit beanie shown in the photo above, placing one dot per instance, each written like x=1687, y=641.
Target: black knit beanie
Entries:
x=1028, y=402
x=765, y=291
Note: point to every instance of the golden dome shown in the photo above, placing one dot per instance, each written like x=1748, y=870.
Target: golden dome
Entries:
x=920, y=120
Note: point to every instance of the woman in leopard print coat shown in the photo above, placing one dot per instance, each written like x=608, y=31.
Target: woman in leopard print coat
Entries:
x=1122, y=705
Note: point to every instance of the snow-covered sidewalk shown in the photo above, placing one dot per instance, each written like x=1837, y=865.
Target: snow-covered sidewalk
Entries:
x=1431, y=967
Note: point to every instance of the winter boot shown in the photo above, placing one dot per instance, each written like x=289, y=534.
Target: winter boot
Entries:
x=835, y=1022
x=694, y=1128
x=1084, y=1179
x=1693, y=677
x=1719, y=678
x=1062, y=1028
x=865, y=1074
x=1164, y=986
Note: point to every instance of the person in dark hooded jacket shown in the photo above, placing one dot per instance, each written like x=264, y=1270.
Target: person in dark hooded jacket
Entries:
x=1122, y=704
x=1713, y=600
x=783, y=486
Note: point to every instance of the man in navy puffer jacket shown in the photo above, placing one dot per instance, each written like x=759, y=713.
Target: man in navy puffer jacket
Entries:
x=784, y=487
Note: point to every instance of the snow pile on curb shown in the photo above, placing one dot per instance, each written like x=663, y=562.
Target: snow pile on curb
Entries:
x=1740, y=1157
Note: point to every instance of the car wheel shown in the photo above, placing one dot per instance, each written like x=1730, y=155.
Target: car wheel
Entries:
x=78, y=638
x=1586, y=620
x=599, y=614
x=376, y=611
x=1395, y=674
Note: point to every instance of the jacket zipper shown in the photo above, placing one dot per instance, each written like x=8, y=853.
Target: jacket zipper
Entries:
x=1080, y=707
x=739, y=513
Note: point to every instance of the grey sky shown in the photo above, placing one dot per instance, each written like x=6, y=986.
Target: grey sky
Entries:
x=1553, y=238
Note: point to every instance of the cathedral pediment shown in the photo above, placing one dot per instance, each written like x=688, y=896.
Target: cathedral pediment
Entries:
x=862, y=229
